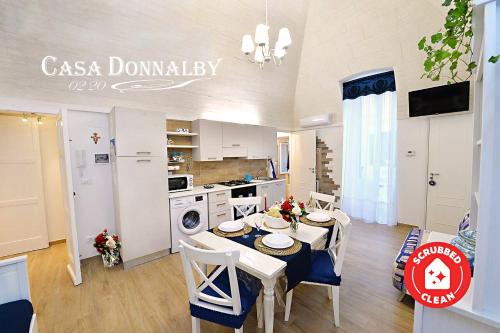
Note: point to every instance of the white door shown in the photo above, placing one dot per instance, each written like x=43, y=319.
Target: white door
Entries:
x=69, y=204
x=92, y=178
x=22, y=208
x=450, y=163
x=303, y=164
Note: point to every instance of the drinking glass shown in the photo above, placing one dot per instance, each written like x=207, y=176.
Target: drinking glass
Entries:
x=245, y=224
x=258, y=224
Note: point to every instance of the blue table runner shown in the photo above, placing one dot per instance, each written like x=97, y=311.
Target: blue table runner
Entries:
x=298, y=265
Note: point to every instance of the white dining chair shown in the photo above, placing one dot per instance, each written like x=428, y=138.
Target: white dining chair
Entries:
x=326, y=265
x=225, y=296
x=16, y=310
x=316, y=197
x=245, y=205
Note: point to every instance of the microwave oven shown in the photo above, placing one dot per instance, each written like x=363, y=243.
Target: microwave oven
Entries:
x=177, y=183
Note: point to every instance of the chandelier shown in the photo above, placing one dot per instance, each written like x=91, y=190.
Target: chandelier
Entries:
x=263, y=52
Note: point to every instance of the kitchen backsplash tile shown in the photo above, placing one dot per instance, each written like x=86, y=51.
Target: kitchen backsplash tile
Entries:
x=229, y=168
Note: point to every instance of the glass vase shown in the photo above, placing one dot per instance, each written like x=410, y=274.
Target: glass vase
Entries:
x=294, y=224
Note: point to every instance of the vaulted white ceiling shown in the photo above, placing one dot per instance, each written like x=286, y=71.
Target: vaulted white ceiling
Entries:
x=154, y=30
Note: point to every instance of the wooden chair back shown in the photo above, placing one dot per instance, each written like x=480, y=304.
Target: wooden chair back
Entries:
x=316, y=197
x=340, y=237
x=193, y=259
x=245, y=205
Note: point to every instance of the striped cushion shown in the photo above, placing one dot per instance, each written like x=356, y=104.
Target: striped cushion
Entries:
x=411, y=242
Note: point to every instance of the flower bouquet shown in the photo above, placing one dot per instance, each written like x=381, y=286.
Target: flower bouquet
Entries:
x=109, y=248
x=290, y=210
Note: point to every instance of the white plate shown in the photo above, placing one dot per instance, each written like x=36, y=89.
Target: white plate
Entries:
x=277, y=241
x=318, y=217
x=231, y=226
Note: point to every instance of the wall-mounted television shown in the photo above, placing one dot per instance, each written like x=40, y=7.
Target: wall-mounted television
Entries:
x=438, y=100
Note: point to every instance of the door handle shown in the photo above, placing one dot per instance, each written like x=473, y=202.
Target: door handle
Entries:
x=433, y=174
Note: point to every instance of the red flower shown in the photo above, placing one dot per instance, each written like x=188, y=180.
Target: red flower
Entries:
x=286, y=218
x=291, y=197
x=115, y=238
x=301, y=205
x=286, y=206
x=100, y=239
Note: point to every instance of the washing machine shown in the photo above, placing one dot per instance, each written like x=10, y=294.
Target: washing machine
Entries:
x=188, y=216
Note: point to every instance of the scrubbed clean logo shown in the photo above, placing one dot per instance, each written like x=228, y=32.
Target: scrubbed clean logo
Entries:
x=145, y=75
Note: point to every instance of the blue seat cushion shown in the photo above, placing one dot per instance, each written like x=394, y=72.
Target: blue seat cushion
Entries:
x=15, y=317
x=322, y=269
x=249, y=290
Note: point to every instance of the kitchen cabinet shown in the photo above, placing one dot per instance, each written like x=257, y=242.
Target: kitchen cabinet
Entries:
x=274, y=191
x=234, y=135
x=141, y=206
x=216, y=140
x=208, y=140
x=137, y=132
x=218, y=208
x=269, y=142
x=256, y=142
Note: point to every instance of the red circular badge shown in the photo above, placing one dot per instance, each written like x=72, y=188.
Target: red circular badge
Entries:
x=437, y=275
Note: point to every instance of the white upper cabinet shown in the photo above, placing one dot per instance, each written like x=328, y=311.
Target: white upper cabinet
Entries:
x=137, y=132
x=234, y=135
x=209, y=140
x=269, y=142
x=217, y=140
x=256, y=142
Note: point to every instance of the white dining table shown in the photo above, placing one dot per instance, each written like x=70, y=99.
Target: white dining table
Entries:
x=265, y=267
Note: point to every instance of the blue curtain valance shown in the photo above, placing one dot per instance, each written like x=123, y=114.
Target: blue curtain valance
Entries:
x=374, y=84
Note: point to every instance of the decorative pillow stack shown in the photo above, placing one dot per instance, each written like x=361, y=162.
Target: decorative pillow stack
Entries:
x=410, y=244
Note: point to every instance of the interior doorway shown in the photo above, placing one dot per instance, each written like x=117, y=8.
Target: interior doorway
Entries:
x=31, y=202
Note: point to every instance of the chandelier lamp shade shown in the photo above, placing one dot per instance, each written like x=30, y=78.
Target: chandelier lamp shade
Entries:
x=260, y=46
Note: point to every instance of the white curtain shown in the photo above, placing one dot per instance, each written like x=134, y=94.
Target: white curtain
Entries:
x=369, y=162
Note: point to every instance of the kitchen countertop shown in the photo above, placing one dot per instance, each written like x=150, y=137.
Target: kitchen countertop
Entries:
x=197, y=190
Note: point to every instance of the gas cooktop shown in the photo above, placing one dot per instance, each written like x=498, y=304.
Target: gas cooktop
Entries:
x=235, y=182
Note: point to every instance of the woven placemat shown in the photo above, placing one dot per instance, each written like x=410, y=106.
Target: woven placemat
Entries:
x=259, y=246
x=305, y=220
x=246, y=230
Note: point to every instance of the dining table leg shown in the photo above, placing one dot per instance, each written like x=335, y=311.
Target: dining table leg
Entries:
x=269, y=304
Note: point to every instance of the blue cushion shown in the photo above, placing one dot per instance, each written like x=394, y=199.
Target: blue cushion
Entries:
x=15, y=317
x=322, y=269
x=249, y=290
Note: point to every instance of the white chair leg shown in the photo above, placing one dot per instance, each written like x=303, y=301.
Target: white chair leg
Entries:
x=330, y=292
x=238, y=330
x=288, y=304
x=260, y=313
x=336, y=305
x=195, y=324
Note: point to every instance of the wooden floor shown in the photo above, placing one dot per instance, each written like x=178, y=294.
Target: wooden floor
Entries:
x=153, y=297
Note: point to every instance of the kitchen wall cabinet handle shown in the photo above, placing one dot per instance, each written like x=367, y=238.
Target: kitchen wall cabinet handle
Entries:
x=138, y=161
x=221, y=204
x=221, y=214
x=217, y=194
x=235, y=144
x=143, y=153
x=211, y=158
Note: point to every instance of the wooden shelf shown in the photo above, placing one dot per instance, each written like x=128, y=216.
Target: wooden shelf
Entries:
x=180, y=134
x=182, y=146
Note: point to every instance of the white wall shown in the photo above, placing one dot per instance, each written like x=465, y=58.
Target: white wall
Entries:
x=92, y=182
x=344, y=37
x=412, y=170
x=333, y=137
x=54, y=204
x=159, y=30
